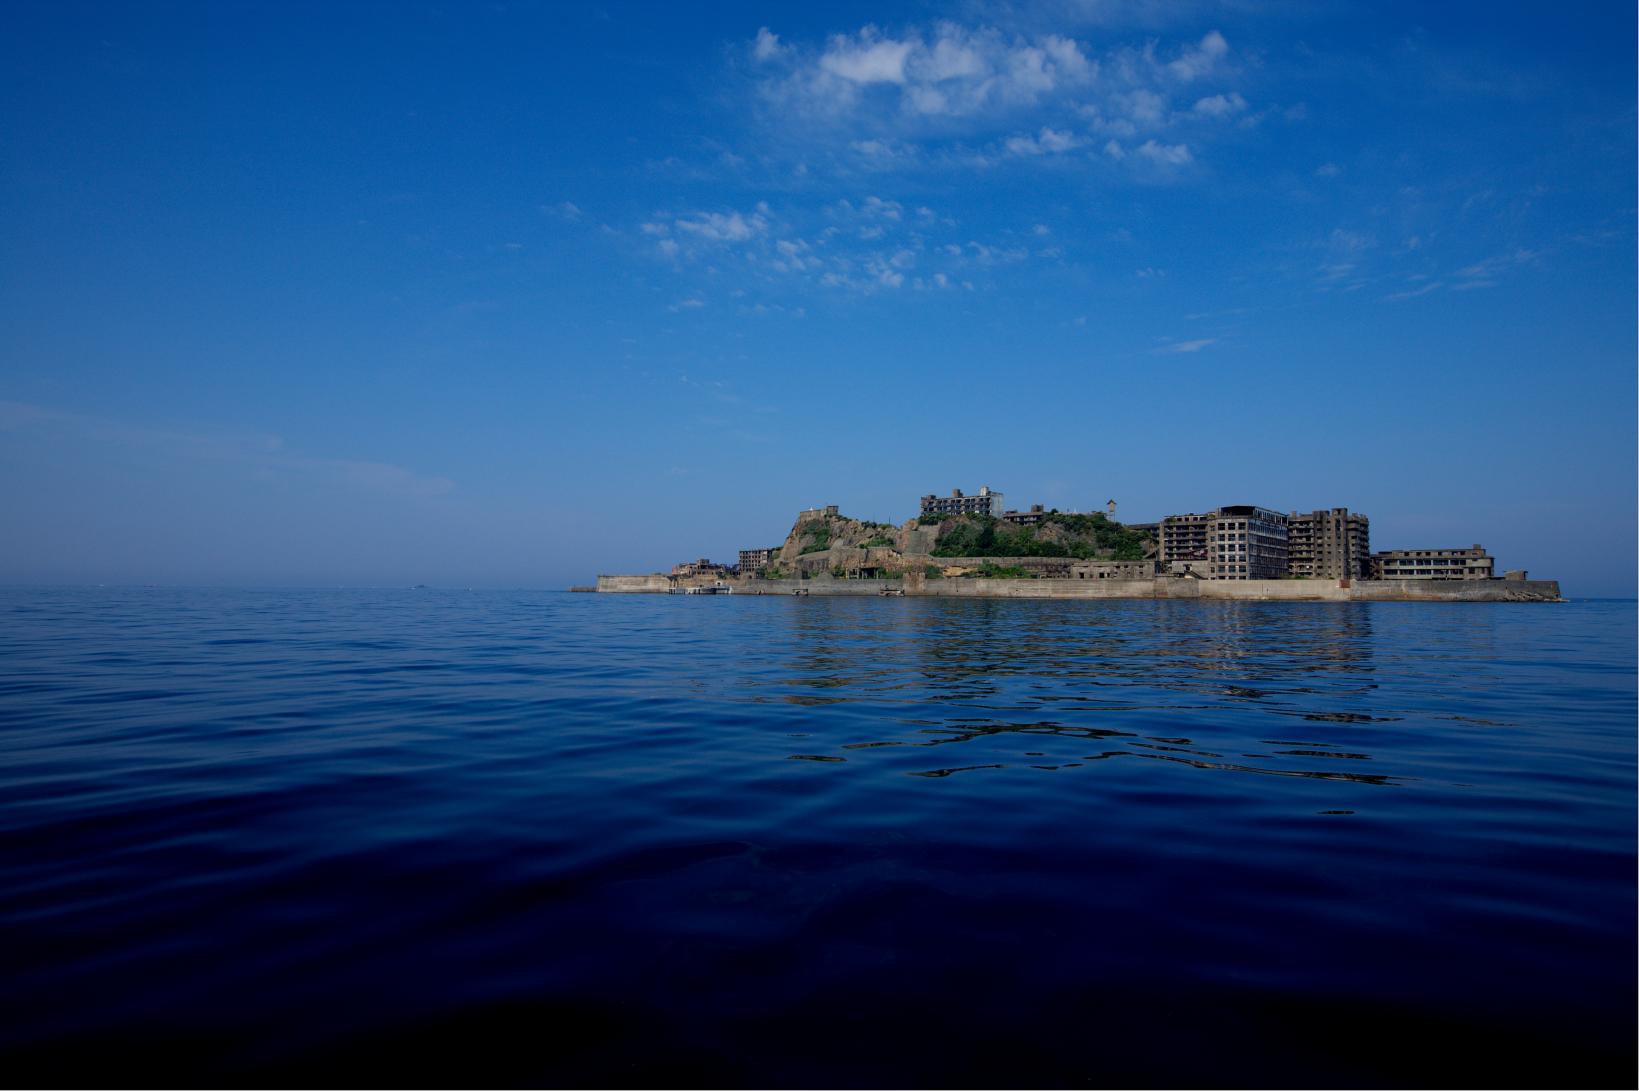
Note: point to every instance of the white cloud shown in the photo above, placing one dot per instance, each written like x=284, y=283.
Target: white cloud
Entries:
x=1490, y=267
x=1219, y=105
x=945, y=94
x=1047, y=142
x=1167, y=154
x=767, y=45
x=1328, y=170
x=1412, y=293
x=885, y=153
x=876, y=206
x=945, y=71
x=1194, y=63
x=1185, y=346
x=1144, y=109
x=867, y=58
x=724, y=227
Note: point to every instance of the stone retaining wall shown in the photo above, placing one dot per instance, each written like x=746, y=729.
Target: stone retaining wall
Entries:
x=1162, y=588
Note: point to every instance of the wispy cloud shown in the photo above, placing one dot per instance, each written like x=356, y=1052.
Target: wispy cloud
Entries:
x=255, y=451
x=1491, y=268
x=1413, y=293
x=1184, y=346
x=860, y=245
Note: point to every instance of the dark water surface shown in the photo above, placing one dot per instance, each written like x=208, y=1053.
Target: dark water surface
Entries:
x=417, y=836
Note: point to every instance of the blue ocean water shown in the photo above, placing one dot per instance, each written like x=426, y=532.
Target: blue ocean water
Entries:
x=475, y=837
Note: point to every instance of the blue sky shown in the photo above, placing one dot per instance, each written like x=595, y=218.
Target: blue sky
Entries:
x=515, y=295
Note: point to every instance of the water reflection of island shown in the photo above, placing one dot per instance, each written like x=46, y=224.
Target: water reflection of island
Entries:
x=1127, y=675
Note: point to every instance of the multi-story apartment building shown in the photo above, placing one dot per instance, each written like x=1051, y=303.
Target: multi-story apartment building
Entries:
x=1433, y=564
x=1184, y=542
x=987, y=502
x=1328, y=545
x=755, y=560
x=1249, y=544
x=1236, y=542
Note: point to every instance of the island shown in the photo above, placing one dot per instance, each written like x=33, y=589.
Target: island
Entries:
x=972, y=546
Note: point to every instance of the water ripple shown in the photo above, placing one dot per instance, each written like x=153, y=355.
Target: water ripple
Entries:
x=269, y=835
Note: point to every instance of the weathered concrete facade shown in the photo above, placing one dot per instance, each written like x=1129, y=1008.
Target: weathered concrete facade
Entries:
x=1114, y=570
x=1330, y=544
x=1235, y=542
x=654, y=583
x=986, y=502
x=1433, y=564
x=753, y=560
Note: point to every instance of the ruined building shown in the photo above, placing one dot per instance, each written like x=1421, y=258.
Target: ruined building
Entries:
x=1332, y=544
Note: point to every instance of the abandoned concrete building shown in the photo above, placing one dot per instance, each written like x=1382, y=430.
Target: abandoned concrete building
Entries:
x=701, y=567
x=1433, y=564
x=1331, y=544
x=986, y=502
x=1235, y=542
x=1183, y=542
x=755, y=560
x=1025, y=518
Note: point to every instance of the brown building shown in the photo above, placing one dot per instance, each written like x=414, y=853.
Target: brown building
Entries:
x=751, y=559
x=1184, y=542
x=1025, y=518
x=1433, y=564
x=957, y=503
x=755, y=560
x=1237, y=542
x=1330, y=544
x=701, y=567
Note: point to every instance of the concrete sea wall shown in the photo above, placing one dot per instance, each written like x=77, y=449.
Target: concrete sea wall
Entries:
x=651, y=584
x=1164, y=588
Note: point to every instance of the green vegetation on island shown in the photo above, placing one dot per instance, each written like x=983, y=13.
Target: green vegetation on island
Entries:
x=1057, y=535
x=826, y=543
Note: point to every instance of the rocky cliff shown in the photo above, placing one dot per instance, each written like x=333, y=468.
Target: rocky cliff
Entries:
x=822, y=541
